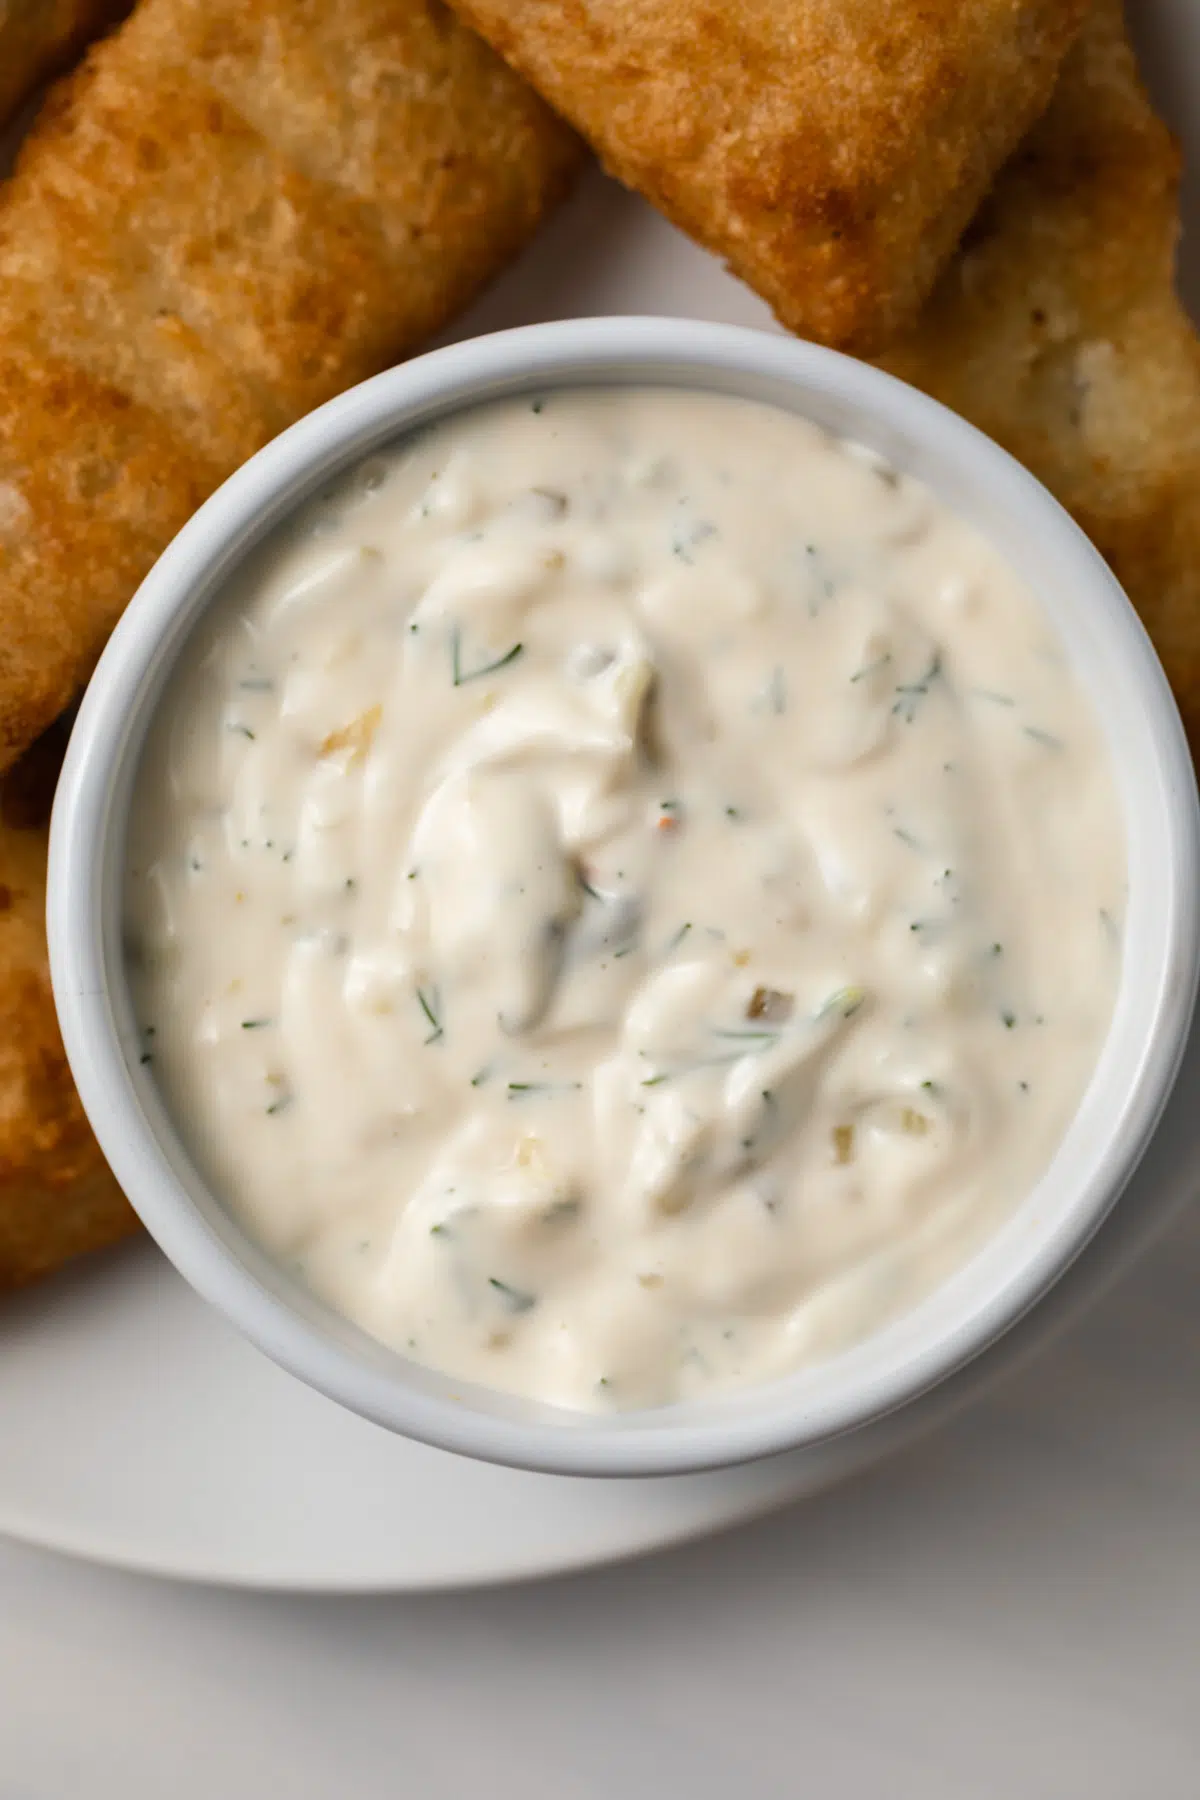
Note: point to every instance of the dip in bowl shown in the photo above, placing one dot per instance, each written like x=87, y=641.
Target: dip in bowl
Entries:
x=622, y=898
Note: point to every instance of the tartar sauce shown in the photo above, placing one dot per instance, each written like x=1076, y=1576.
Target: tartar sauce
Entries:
x=624, y=895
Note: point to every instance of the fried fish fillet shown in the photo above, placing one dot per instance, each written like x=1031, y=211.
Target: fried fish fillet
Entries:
x=1058, y=332
x=831, y=151
x=235, y=209
x=39, y=36
x=57, y=1197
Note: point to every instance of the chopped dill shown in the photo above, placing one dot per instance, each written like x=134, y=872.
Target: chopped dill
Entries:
x=515, y=1299
x=910, y=693
x=430, y=1004
x=872, y=668
x=461, y=676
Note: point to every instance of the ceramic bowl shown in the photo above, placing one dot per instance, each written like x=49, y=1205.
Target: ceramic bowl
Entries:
x=1112, y=657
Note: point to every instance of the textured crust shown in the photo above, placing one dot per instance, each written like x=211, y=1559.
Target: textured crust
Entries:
x=57, y=1197
x=832, y=151
x=1058, y=332
x=39, y=36
x=235, y=209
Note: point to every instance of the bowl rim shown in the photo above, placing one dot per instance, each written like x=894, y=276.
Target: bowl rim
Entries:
x=132, y=1129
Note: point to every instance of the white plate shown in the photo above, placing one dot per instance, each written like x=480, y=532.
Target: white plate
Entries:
x=137, y=1429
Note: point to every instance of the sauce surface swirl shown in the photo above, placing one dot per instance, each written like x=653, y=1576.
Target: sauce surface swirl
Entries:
x=624, y=894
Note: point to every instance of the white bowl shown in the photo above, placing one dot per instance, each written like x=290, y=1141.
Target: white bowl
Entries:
x=1112, y=657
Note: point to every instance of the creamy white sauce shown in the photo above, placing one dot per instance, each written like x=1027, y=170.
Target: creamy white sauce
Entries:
x=625, y=895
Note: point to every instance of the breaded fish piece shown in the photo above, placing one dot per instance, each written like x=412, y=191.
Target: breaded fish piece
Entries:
x=1057, y=331
x=39, y=36
x=235, y=209
x=57, y=1197
x=831, y=151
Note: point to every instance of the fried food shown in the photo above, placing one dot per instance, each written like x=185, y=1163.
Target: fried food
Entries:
x=831, y=151
x=57, y=1197
x=235, y=209
x=1057, y=330
x=39, y=36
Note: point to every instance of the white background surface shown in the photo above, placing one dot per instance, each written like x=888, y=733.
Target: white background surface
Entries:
x=1012, y=1609
x=1011, y=1612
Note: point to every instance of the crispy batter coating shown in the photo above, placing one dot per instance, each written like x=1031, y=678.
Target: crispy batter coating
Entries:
x=831, y=151
x=39, y=36
x=1058, y=332
x=235, y=209
x=57, y=1197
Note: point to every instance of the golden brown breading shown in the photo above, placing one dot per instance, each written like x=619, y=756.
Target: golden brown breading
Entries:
x=39, y=36
x=235, y=209
x=1058, y=332
x=57, y=1197
x=832, y=151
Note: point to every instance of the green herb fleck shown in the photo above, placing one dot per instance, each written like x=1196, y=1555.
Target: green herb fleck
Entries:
x=514, y=1298
x=991, y=695
x=910, y=693
x=431, y=1005
x=685, y=538
x=518, y=1089
x=254, y=1024
x=872, y=668
x=461, y=676
x=243, y=731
